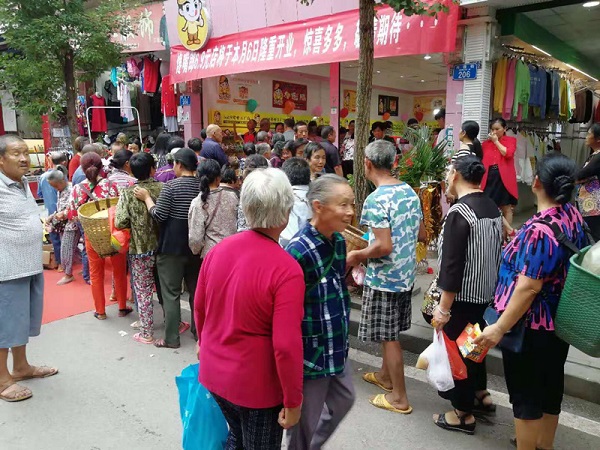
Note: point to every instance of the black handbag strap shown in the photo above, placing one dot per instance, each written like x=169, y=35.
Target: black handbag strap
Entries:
x=562, y=238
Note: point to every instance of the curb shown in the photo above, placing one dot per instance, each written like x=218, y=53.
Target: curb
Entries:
x=580, y=380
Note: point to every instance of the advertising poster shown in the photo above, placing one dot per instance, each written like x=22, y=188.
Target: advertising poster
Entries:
x=226, y=119
x=284, y=91
x=235, y=90
x=350, y=100
x=423, y=106
x=387, y=104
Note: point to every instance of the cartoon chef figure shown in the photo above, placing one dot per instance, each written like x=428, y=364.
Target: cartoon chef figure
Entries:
x=191, y=11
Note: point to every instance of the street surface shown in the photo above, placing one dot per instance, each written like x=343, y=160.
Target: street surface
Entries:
x=112, y=393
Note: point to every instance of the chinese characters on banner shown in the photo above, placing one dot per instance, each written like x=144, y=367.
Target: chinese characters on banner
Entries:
x=349, y=100
x=387, y=104
x=236, y=90
x=284, y=91
x=320, y=40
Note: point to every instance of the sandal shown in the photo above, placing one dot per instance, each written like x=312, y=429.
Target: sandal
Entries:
x=161, y=343
x=183, y=327
x=482, y=408
x=463, y=427
x=100, y=316
x=137, y=337
x=12, y=392
x=370, y=377
x=125, y=312
x=38, y=372
x=380, y=401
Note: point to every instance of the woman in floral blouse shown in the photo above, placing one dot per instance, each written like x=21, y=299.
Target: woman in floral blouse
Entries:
x=94, y=187
x=133, y=214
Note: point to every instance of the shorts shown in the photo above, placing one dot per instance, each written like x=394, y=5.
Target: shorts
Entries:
x=535, y=378
x=384, y=315
x=21, y=307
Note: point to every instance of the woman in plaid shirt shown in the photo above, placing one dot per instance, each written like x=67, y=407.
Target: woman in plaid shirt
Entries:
x=320, y=249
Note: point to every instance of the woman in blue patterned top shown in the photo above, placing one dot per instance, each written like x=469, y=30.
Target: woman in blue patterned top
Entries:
x=320, y=249
x=531, y=278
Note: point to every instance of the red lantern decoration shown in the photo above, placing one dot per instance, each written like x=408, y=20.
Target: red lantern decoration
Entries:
x=386, y=116
x=344, y=113
x=288, y=107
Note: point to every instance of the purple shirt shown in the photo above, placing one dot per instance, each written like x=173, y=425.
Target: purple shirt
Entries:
x=165, y=173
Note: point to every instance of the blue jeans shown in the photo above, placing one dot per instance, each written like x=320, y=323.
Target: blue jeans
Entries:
x=55, y=240
x=84, y=257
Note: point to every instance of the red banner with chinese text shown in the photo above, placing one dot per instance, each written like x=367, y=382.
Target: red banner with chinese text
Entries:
x=321, y=40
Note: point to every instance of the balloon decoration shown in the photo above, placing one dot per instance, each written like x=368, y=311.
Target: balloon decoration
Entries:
x=317, y=111
x=344, y=113
x=251, y=105
x=288, y=107
x=404, y=117
x=386, y=116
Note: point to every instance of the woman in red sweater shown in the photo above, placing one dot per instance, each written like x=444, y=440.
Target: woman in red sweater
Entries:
x=500, y=179
x=250, y=327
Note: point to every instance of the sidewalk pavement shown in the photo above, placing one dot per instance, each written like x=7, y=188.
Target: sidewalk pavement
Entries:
x=582, y=372
x=113, y=393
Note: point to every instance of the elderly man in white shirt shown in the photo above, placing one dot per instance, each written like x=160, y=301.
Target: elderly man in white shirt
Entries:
x=21, y=270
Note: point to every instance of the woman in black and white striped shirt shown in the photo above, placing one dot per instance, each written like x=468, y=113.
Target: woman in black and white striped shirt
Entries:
x=469, y=261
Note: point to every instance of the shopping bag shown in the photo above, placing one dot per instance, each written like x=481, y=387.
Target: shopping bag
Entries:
x=204, y=427
x=119, y=239
x=457, y=365
x=439, y=372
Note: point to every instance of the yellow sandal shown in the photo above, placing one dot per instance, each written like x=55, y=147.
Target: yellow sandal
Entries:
x=370, y=377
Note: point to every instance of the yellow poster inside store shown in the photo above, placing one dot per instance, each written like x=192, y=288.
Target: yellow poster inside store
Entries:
x=226, y=119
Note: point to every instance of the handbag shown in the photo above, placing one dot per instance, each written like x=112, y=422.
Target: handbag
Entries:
x=431, y=300
x=513, y=339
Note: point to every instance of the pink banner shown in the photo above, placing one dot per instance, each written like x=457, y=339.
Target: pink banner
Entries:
x=320, y=40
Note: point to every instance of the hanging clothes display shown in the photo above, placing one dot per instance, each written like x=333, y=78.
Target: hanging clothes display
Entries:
x=150, y=75
x=522, y=90
x=537, y=96
x=168, y=98
x=125, y=99
x=509, y=96
x=500, y=85
x=99, y=124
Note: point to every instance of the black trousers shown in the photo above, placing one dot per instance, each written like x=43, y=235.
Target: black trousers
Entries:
x=462, y=396
x=251, y=429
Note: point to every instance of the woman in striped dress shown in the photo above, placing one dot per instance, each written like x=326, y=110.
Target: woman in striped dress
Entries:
x=469, y=261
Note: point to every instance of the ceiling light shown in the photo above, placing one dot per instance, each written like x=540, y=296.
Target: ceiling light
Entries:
x=401, y=76
x=379, y=71
x=581, y=71
x=422, y=81
x=543, y=51
x=427, y=57
x=590, y=4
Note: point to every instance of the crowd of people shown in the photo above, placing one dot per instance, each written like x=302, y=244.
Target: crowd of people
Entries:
x=277, y=215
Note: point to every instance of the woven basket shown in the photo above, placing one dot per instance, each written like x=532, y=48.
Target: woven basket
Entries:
x=354, y=239
x=579, y=309
x=97, y=231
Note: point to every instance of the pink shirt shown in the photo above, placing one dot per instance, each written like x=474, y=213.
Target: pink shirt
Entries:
x=249, y=307
x=509, y=98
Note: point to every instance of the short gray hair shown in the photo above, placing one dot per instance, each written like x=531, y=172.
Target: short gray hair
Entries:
x=212, y=129
x=7, y=140
x=381, y=153
x=321, y=188
x=263, y=148
x=267, y=198
x=262, y=136
x=56, y=176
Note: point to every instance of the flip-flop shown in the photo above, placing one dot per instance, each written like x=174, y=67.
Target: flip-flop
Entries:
x=183, y=327
x=370, y=377
x=137, y=337
x=162, y=344
x=38, y=372
x=12, y=392
x=380, y=401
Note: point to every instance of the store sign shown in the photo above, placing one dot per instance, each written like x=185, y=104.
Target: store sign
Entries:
x=193, y=24
x=320, y=40
x=226, y=119
x=146, y=35
x=462, y=72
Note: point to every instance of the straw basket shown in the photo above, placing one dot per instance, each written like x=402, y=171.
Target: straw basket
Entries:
x=97, y=231
x=354, y=239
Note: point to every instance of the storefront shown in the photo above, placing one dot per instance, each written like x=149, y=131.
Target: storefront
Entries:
x=560, y=96
x=306, y=67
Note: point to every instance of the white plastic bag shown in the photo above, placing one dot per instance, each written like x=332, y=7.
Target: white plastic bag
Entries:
x=591, y=260
x=439, y=372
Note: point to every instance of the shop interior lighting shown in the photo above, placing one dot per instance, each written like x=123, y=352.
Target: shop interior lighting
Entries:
x=543, y=51
x=590, y=4
x=422, y=81
x=581, y=71
x=427, y=57
x=379, y=71
x=435, y=111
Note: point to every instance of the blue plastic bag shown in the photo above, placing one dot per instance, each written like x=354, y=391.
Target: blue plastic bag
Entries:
x=204, y=427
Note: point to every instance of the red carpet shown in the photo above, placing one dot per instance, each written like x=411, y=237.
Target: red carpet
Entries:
x=71, y=299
